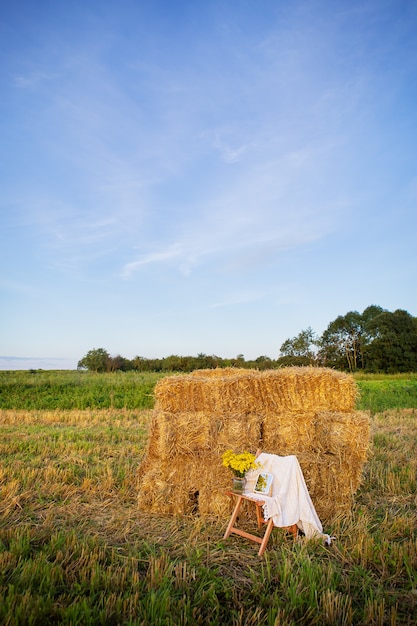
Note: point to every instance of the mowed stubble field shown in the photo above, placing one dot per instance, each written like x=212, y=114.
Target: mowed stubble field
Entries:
x=75, y=548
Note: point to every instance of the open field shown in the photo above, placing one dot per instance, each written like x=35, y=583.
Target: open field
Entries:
x=75, y=549
x=380, y=392
x=51, y=390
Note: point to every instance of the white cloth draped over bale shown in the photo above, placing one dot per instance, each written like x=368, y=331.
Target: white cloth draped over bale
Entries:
x=290, y=502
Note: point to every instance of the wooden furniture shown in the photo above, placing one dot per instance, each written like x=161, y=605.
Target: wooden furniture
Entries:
x=232, y=529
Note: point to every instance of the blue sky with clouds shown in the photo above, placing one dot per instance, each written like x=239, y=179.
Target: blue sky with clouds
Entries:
x=186, y=177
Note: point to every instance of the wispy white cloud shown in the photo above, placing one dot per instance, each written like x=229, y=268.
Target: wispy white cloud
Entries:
x=128, y=148
x=173, y=252
x=222, y=141
x=35, y=78
x=254, y=217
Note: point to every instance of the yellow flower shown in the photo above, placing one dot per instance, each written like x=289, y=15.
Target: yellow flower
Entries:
x=239, y=463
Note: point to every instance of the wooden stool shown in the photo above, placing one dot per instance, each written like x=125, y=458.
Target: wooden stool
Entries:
x=231, y=528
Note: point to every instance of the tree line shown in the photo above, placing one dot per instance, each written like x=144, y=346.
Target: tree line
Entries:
x=375, y=340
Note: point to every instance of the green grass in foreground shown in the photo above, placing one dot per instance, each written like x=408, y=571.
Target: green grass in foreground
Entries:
x=75, y=549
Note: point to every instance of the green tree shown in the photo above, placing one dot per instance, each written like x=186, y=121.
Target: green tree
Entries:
x=393, y=345
x=376, y=340
x=341, y=342
x=300, y=350
x=206, y=361
x=344, y=342
x=263, y=362
x=96, y=360
x=119, y=363
x=368, y=315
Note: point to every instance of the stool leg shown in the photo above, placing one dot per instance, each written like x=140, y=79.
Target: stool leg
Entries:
x=293, y=530
x=259, y=516
x=233, y=518
x=268, y=531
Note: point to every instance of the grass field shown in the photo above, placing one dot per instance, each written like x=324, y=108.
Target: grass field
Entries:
x=381, y=392
x=75, y=549
x=65, y=390
x=50, y=390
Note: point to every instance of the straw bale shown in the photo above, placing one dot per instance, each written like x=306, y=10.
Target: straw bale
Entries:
x=235, y=394
x=183, y=433
x=180, y=486
x=332, y=448
x=154, y=435
x=348, y=431
x=183, y=394
x=173, y=434
x=215, y=394
x=240, y=390
x=215, y=501
x=325, y=431
x=304, y=411
x=236, y=431
x=289, y=433
x=220, y=372
x=332, y=481
x=305, y=389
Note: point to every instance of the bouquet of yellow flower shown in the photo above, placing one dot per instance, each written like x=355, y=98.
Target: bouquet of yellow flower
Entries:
x=239, y=463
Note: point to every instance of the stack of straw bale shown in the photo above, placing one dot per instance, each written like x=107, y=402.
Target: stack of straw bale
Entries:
x=304, y=411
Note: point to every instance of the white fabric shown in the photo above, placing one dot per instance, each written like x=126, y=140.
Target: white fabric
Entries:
x=290, y=502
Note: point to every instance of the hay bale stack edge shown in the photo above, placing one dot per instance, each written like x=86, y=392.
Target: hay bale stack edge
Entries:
x=306, y=411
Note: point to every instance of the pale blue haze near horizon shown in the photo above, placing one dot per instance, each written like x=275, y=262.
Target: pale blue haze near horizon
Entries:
x=202, y=177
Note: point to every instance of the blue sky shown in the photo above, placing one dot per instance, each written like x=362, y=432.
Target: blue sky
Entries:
x=186, y=177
